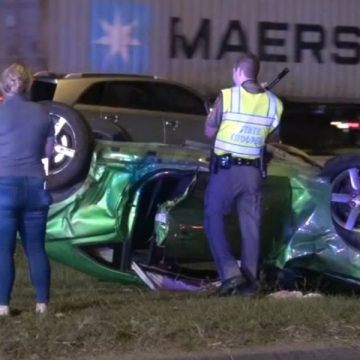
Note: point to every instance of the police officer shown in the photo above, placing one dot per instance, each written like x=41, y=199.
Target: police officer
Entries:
x=242, y=118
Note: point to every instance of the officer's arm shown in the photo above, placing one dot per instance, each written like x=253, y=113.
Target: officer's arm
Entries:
x=274, y=135
x=210, y=132
x=213, y=120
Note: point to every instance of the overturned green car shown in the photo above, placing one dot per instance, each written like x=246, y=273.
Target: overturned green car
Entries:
x=137, y=217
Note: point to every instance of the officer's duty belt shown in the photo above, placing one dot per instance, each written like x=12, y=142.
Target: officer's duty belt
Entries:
x=227, y=161
x=248, y=162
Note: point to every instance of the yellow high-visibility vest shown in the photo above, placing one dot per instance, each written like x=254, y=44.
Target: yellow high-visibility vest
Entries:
x=246, y=122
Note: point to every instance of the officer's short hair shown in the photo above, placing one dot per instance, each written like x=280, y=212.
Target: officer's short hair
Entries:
x=250, y=64
x=16, y=79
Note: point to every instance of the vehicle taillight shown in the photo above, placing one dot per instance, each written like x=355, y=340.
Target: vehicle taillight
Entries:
x=346, y=124
x=353, y=125
x=1, y=98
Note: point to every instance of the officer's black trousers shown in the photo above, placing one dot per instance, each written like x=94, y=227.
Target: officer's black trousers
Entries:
x=240, y=186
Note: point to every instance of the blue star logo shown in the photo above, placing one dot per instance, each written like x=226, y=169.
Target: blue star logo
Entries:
x=119, y=40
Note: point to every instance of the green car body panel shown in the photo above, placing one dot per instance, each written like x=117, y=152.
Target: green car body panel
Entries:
x=139, y=194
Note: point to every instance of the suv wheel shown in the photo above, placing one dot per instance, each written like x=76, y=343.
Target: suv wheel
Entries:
x=73, y=146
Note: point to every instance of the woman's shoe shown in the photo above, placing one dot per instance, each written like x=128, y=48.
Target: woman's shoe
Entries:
x=4, y=310
x=41, y=308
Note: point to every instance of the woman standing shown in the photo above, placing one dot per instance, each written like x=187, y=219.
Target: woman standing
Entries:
x=26, y=136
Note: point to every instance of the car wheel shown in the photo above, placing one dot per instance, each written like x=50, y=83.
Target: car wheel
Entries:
x=344, y=174
x=73, y=146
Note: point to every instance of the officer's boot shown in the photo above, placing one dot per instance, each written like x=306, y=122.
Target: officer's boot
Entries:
x=230, y=286
x=250, y=287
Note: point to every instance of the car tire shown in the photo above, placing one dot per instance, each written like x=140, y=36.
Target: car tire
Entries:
x=344, y=174
x=73, y=146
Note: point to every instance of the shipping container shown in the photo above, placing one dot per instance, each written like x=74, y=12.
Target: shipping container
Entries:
x=20, y=32
x=197, y=41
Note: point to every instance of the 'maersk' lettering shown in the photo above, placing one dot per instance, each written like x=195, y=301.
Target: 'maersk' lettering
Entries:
x=339, y=44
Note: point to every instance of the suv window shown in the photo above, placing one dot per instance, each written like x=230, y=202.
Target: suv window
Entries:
x=144, y=96
x=92, y=95
x=172, y=98
x=125, y=94
x=42, y=90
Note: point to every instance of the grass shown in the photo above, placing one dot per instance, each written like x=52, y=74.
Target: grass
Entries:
x=90, y=318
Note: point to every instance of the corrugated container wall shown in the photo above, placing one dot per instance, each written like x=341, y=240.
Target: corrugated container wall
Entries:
x=197, y=41
x=20, y=33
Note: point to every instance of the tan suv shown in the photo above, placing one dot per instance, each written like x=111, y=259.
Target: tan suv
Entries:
x=115, y=107
x=129, y=107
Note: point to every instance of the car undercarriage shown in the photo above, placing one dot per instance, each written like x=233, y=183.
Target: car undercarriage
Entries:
x=137, y=217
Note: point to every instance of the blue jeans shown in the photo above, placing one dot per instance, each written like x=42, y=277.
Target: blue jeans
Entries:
x=24, y=207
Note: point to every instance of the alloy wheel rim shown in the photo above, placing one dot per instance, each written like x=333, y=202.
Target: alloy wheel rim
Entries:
x=345, y=200
x=65, y=141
